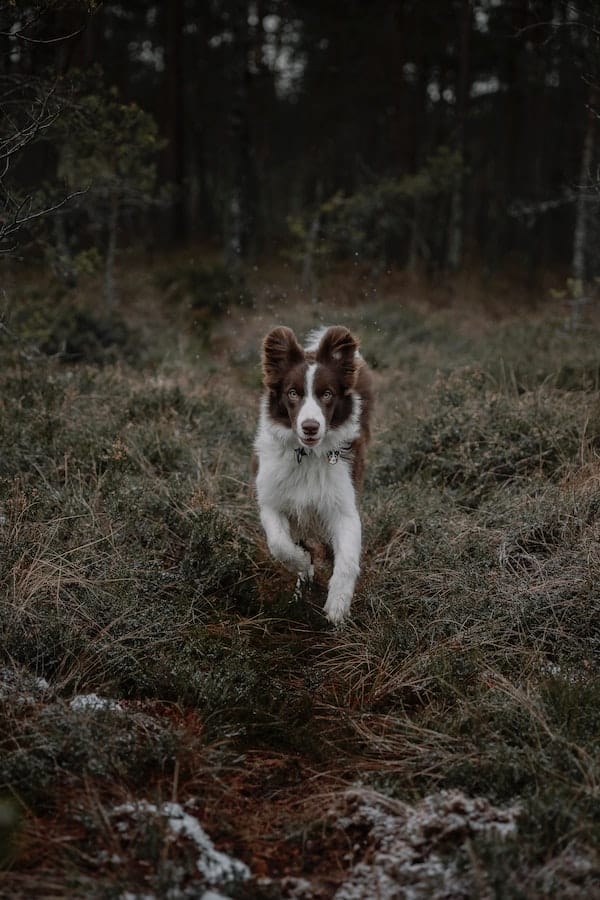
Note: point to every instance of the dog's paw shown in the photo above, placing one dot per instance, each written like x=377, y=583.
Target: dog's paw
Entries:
x=303, y=581
x=337, y=607
x=305, y=576
x=305, y=568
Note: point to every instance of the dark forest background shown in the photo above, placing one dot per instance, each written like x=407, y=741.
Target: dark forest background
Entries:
x=418, y=134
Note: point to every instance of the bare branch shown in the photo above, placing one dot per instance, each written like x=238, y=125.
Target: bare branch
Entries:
x=36, y=19
x=30, y=40
x=24, y=135
x=18, y=222
x=530, y=211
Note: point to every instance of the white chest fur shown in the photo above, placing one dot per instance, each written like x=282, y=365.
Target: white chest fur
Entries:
x=302, y=496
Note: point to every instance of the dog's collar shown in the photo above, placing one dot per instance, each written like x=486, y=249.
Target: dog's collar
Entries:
x=332, y=455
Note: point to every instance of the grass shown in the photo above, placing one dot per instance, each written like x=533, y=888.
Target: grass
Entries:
x=133, y=566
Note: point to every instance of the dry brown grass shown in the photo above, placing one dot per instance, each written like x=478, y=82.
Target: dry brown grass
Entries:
x=133, y=565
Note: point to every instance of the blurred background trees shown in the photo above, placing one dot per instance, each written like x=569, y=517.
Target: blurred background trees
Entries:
x=434, y=135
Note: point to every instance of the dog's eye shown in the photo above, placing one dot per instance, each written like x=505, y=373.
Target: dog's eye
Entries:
x=292, y=394
x=327, y=395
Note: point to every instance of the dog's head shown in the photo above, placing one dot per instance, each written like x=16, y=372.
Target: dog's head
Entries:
x=310, y=391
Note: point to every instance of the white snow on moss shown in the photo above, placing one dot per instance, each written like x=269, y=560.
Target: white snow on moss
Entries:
x=417, y=853
x=215, y=867
x=21, y=687
x=94, y=703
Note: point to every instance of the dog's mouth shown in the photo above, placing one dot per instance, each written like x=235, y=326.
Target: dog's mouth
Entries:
x=310, y=441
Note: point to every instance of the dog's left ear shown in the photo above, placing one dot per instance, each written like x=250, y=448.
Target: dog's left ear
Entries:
x=340, y=347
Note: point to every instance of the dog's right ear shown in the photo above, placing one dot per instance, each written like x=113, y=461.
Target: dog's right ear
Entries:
x=280, y=351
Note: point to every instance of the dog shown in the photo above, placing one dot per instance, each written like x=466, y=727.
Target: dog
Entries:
x=310, y=451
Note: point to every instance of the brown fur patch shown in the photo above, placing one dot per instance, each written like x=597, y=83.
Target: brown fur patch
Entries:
x=339, y=346
x=280, y=351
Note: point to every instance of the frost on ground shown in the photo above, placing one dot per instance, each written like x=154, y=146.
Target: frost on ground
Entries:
x=572, y=874
x=420, y=852
x=94, y=703
x=21, y=687
x=216, y=868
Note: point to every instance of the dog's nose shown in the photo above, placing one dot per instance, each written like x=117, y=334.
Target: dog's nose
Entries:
x=310, y=427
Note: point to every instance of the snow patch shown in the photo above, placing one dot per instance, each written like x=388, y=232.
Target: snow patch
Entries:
x=568, y=675
x=214, y=866
x=20, y=686
x=418, y=853
x=94, y=703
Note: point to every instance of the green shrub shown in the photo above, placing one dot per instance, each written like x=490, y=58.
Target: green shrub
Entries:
x=206, y=291
x=475, y=437
x=379, y=224
x=71, y=332
x=84, y=336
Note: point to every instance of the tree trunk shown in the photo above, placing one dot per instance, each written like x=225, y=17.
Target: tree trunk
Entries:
x=63, y=262
x=581, y=232
x=309, y=278
x=241, y=207
x=417, y=126
x=176, y=117
x=110, y=293
x=456, y=224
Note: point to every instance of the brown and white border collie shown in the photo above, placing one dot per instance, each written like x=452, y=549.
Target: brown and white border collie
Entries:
x=310, y=453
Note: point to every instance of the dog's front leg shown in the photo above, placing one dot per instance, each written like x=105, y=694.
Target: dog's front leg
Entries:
x=281, y=544
x=346, y=539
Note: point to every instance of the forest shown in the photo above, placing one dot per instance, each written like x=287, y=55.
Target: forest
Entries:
x=176, y=179
x=431, y=135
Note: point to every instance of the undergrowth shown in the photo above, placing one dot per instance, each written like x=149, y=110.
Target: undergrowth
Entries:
x=133, y=566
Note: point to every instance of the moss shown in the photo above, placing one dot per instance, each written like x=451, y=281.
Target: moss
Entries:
x=43, y=747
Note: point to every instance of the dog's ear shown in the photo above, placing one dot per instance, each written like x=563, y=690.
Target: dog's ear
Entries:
x=339, y=346
x=280, y=351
